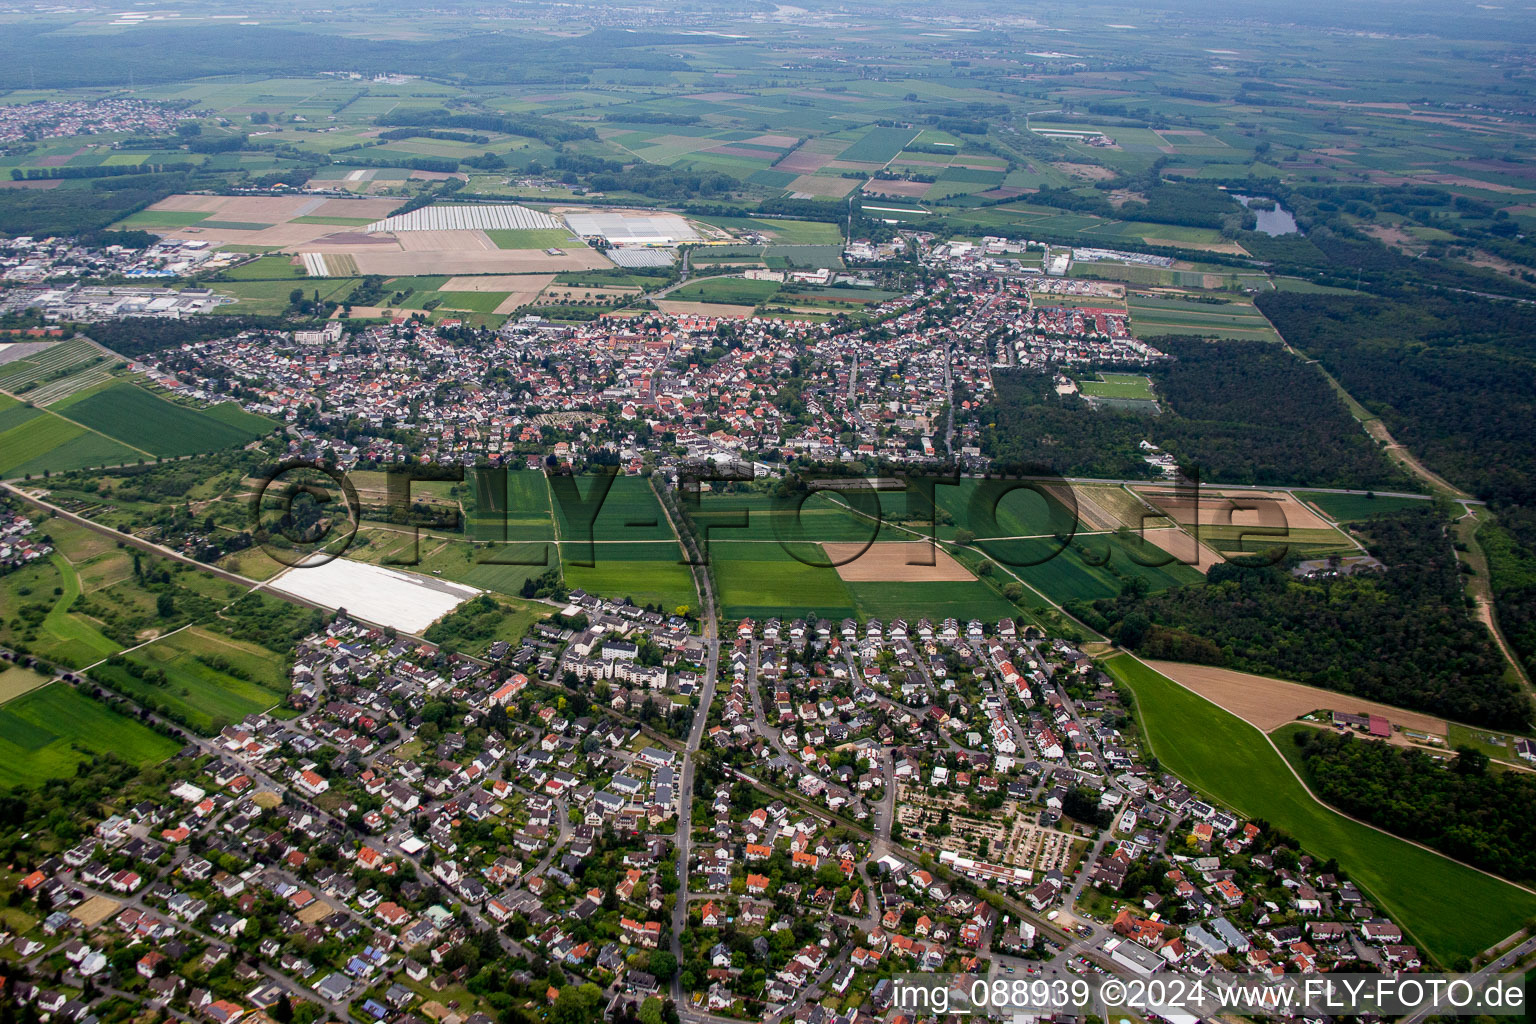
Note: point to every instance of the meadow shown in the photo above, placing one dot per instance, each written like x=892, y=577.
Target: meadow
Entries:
x=195, y=690
x=1233, y=763
x=46, y=733
x=39, y=621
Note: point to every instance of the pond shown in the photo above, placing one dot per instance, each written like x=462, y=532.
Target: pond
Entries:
x=1276, y=220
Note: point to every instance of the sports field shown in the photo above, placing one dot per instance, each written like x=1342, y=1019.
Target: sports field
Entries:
x=1232, y=762
x=1118, y=385
x=45, y=733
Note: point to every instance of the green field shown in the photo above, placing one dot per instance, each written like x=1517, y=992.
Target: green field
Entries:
x=533, y=238
x=1090, y=567
x=150, y=219
x=206, y=697
x=961, y=600
x=520, y=514
x=879, y=145
x=1348, y=508
x=629, y=512
x=734, y=290
x=46, y=733
x=755, y=516
x=475, y=302
x=1118, y=385
x=762, y=580
x=49, y=442
x=141, y=419
x=644, y=573
x=1232, y=762
x=782, y=232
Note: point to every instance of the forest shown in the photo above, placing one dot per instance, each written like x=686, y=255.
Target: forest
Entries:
x=1463, y=809
x=1241, y=412
x=1401, y=635
x=1451, y=379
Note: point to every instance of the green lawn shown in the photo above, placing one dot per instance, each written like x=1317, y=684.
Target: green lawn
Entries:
x=46, y=733
x=1118, y=385
x=147, y=421
x=1447, y=910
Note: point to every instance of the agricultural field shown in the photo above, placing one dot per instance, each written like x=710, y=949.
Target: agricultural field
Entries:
x=1152, y=316
x=629, y=512
x=136, y=417
x=760, y=580
x=209, y=681
x=46, y=733
x=1232, y=762
x=647, y=574
x=15, y=681
x=1091, y=566
x=47, y=442
x=729, y=290
x=1350, y=508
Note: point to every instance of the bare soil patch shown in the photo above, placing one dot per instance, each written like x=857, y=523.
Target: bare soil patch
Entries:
x=1270, y=703
x=890, y=562
x=777, y=141
x=1235, y=508
x=802, y=162
x=677, y=308
x=906, y=189
x=1183, y=547
x=821, y=185
x=95, y=910
x=1085, y=172
x=497, y=283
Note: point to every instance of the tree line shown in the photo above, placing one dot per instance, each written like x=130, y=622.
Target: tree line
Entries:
x=1401, y=635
